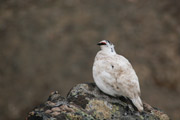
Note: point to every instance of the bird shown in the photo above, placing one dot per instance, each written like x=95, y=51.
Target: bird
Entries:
x=114, y=75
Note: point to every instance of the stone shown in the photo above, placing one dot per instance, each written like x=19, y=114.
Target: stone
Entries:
x=87, y=102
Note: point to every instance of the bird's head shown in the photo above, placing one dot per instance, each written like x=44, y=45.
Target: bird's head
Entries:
x=106, y=45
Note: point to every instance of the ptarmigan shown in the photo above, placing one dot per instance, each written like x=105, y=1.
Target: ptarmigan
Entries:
x=114, y=75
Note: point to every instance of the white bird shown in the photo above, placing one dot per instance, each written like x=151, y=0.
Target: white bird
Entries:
x=114, y=75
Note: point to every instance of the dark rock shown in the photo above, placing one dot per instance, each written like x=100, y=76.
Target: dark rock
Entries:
x=87, y=102
x=50, y=45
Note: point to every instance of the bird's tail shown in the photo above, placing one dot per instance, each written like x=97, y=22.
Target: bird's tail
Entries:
x=138, y=103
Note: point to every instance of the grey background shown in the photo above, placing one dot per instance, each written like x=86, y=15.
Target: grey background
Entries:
x=50, y=45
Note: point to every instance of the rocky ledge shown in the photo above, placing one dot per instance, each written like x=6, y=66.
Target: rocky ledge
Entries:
x=87, y=102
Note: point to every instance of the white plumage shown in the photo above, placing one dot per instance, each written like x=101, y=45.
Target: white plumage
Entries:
x=114, y=75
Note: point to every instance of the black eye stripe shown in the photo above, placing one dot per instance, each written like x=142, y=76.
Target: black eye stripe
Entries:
x=101, y=43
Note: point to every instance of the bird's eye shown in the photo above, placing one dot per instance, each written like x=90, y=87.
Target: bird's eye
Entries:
x=101, y=43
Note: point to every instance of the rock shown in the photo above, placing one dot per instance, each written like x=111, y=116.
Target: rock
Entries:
x=87, y=102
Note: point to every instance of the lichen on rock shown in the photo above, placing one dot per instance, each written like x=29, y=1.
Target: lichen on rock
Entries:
x=87, y=102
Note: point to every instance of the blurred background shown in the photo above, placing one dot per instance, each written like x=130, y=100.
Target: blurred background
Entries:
x=49, y=45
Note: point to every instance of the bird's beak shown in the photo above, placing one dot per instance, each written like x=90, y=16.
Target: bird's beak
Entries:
x=101, y=43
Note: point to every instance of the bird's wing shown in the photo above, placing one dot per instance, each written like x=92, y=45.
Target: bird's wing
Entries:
x=126, y=79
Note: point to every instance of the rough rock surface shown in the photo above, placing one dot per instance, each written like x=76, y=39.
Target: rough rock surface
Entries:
x=44, y=43
x=87, y=102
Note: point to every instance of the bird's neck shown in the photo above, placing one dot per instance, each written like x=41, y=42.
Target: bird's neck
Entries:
x=110, y=51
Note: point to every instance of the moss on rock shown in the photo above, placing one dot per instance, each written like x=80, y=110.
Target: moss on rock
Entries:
x=87, y=102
